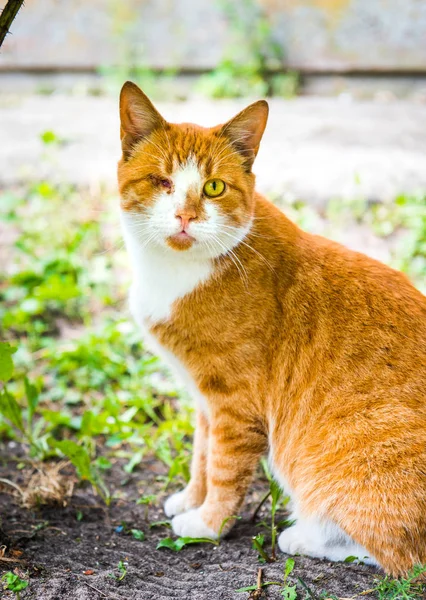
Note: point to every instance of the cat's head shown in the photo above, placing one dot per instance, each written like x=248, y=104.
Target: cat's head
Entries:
x=184, y=187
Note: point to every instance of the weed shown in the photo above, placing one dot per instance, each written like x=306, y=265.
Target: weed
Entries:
x=147, y=499
x=287, y=591
x=137, y=534
x=404, y=588
x=14, y=583
x=178, y=544
x=276, y=495
x=122, y=569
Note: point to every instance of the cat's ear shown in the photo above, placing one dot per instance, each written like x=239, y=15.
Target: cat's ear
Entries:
x=245, y=130
x=138, y=117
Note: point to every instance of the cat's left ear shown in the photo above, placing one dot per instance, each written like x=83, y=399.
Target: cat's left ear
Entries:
x=138, y=117
x=246, y=129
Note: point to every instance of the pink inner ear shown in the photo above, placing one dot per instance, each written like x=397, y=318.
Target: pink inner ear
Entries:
x=246, y=129
x=138, y=116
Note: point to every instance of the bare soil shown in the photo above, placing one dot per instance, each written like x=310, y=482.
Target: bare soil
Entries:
x=70, y=559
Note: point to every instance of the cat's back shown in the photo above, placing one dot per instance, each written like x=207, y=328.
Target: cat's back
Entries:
x=357, y=317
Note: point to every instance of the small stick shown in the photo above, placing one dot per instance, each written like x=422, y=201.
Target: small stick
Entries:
x=96, y=590
x=262, y=502
x=259, y=578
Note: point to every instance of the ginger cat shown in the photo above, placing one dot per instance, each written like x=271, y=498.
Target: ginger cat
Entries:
x=289, y=344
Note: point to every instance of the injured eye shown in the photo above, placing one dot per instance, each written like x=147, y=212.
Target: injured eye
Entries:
x=165, y=183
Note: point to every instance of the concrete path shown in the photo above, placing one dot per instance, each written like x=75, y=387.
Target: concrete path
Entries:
x=314, y=148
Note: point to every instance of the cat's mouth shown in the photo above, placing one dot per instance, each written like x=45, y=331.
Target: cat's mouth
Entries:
x=181, y=240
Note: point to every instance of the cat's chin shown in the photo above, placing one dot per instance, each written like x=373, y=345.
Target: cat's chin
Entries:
x=180, y=241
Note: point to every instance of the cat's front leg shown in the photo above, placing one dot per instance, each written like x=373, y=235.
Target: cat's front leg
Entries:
x=195, y=492
x=235, y=446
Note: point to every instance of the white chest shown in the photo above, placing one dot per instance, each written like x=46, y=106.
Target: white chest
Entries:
x=159, y=280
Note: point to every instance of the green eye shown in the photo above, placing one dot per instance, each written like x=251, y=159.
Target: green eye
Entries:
x=214, y=187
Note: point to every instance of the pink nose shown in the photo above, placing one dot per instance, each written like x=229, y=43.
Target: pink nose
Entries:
x=185, y=219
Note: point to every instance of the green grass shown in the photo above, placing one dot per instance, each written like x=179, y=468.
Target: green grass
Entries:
x=62, y=310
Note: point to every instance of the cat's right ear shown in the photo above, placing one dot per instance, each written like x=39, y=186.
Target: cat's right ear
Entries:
x=138, y=117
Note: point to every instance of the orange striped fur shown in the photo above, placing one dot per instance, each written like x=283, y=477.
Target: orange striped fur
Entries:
x=290, y=344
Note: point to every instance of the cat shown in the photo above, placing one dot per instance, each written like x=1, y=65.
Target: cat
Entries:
x=290, y=344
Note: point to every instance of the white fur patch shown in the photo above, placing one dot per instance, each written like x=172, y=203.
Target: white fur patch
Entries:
x=175, y=504
x=160, y=279
x=321, y=539
x=186, y=177
x=190, y=524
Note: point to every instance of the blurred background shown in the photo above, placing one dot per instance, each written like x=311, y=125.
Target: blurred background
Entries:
x=344, y=155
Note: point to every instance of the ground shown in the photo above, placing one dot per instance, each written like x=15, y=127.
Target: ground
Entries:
x=68, y=559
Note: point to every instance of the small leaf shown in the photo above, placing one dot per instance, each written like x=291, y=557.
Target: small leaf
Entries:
x=181, y=542
x=254, y=587
x=350, y=559
x=78, y=456
x=13, y=582
x=247, y=589
x=289, y=592
x=11, y=410
x=31, y=393
x=289, y=566
x=138, y=534
x=160, y=524
x=6, y=362
x=133, y=462
x=149, y=499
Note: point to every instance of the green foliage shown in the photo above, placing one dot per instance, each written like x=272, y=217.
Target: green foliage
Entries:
x=137, y=534
x=122, y=570
x=405, y=588
x=178, y=544
x=258, y=543
x=276, y=496
x=6, y=361
x=288, y=591
x=81, y=373
x=252, y=60
x=86, y=469
x=14, y=583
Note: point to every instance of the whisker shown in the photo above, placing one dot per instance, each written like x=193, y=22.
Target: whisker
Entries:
x=242, y=272
x=267, y=263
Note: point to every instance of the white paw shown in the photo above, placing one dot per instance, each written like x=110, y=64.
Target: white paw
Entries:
x=291, y=541
x=175, y=504
x=190, y=524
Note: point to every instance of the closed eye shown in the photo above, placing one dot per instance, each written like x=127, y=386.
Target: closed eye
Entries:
x=163, y=182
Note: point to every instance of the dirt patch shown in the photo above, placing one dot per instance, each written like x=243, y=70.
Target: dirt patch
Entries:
x=72, y=552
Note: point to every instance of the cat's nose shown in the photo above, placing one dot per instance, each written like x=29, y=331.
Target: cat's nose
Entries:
x=185, y=217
